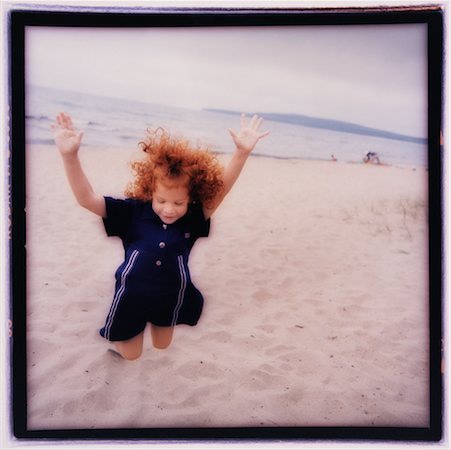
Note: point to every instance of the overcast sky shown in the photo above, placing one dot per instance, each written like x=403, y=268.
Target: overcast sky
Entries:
x=374, y=75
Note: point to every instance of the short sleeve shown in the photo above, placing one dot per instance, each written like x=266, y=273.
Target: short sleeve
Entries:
x=118, y=216
x=200, y=227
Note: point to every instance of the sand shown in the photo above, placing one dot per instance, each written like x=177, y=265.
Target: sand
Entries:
x=316, y=303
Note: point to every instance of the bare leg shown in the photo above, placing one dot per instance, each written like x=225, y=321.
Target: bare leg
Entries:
x=161, y=336
x=131, y=348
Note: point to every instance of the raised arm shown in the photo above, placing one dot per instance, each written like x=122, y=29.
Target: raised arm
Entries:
x=68, y=141
x=245, y=141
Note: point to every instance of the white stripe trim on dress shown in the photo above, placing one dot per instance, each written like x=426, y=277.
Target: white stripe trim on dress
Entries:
x=181, y=295
x=120, y=292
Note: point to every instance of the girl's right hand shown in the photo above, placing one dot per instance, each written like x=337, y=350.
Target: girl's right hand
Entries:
x=66, y=136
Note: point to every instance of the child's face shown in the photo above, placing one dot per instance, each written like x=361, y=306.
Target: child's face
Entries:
x=170, y=201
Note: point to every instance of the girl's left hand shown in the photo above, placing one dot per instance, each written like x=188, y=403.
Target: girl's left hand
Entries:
x=248, y=136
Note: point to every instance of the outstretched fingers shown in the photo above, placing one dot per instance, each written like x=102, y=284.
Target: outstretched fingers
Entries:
x=248, y=136
x=65, y=132
x=263, y=134
x=233, y=134
x=254, y=123
x=64, y=121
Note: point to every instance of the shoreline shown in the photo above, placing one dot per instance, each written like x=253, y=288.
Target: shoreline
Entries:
x=252, y=155
x=338, y=161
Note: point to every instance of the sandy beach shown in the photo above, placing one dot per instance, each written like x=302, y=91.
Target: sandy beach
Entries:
x=316, y=303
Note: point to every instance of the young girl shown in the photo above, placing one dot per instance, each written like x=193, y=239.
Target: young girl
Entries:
x=168, y=206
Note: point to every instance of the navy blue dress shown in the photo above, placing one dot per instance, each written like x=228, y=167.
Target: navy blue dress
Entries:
x=153, y=284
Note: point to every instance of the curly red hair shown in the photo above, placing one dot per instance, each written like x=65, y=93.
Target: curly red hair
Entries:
x=175, y=161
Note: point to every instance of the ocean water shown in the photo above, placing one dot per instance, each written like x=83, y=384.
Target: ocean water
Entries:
x=122, y=123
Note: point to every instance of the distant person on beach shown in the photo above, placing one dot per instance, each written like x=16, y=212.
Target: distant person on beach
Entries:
x=167, y=208
x=371, y=157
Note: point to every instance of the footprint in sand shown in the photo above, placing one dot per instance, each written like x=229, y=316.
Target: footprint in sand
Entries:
x=193, y=398
x=260, y=380
x=195, y=370
x=261, y=295
x=218, y=337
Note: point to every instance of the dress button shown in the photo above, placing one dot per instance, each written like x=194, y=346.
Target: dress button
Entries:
x=164, y=226
x=158, y=262
x=162, y=245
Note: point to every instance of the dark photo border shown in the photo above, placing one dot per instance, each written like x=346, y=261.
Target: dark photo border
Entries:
x=18, y=20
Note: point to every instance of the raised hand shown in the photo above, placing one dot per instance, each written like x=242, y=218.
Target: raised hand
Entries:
x=67, y=137
x=248, y=136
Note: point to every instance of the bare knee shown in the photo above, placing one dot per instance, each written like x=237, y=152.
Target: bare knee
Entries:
x=161, y=345
x=131, y=349
x=161, y=336
x=130, y=355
